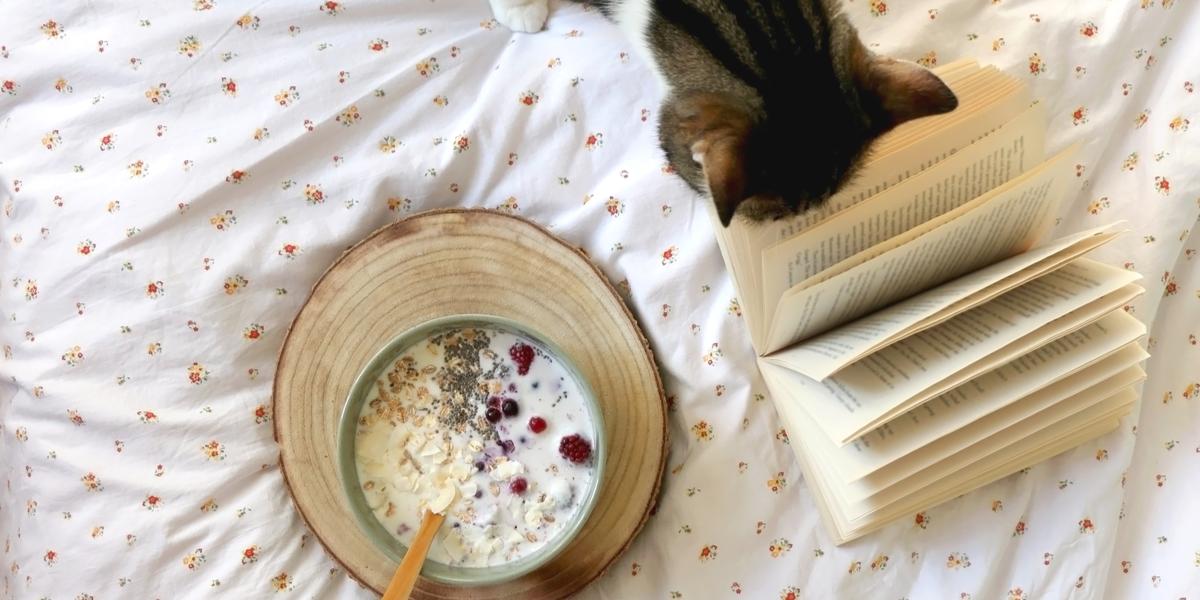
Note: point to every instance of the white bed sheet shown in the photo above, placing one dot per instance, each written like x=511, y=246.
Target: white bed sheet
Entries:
x=159, y=232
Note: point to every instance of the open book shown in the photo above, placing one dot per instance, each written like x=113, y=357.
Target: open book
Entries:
x=918, y=337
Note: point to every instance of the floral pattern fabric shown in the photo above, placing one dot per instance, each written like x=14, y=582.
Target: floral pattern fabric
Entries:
x=174, y=176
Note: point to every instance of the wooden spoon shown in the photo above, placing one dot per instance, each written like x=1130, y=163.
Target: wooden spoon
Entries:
x=406, y=574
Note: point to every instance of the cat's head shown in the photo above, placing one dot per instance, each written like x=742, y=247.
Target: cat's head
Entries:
x=785, y=145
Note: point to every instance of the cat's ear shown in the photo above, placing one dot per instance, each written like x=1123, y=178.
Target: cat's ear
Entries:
x=904, y=90
x=715, y=130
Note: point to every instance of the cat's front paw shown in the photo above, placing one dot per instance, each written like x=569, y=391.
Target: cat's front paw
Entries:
x=521, y=15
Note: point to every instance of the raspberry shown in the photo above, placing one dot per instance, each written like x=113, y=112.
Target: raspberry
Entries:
x=537, y=424
x=510, y=408
x=575, y=449
x=522, y=355
x=518, y=486
x=492, y=414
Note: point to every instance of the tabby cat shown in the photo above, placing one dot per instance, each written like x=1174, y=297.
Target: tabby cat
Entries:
x=770, y=105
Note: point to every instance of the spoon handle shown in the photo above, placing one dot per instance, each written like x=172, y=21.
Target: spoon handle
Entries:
x=410, y=568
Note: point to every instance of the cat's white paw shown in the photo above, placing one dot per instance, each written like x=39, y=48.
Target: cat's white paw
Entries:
x=521, y=15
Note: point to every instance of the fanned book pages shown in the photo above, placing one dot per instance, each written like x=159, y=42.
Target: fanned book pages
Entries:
x=918, y=335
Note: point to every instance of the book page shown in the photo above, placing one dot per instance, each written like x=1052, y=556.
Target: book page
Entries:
x=1075, y=414
x=830, y=496
x=858, y=400
x=823, y=355
x=972, y=171
x=1059, y=370
x=1041, y=408
x=991, y=228
x=941, y=136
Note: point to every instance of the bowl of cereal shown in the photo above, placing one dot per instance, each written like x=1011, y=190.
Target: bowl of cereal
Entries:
x=486, y=421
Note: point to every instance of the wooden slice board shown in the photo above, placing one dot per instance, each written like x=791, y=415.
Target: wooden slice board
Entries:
x=451, y=262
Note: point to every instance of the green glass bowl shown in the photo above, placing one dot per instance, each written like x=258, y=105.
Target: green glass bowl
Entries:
x=389, y=545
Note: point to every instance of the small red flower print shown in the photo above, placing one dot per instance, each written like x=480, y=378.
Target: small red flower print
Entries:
x=428, y=67
x=332, y=8
x=91, y=483
x=247, y=21
x=228, y=86
x=286, y=97
x=1086, y=525
x=777, y=483
x=250, y=554
x=1088, y=29
x=313, y=194
x=1141, y=119
x=1019, y=529
x=1046, y=558
x=1017, y=594
x=199, y=5
x=921, y=520
x=1036, y=66
x=377, y=45
x=253, y=332
x=782, y=436
x=155, y=289
x=107, y=141
x=147, y=416
x=349, y=116
x=73, y=356
x=614, y=206
x=152, y=502
x=85, y=247
x=51, y=29
x=282, y=582
x=213, y=450
x=1188, y=87
x=31, y=289
x=1079, y=117
x=197, y=374
x=9, y=87
x=1162, y=185
x=235, y=283
x=462, y=143
x=528, y=98
x=789, y=593
x=708, y=553
x=75, y=418
x=594, y=140
x=50, y=557
x=289, y=251
x=703, y=431
x=261, y=414
x=878, y=8
x=1160, y=480
x=670, y=255
x=189, y=46
x=159, y=94
x=1126, y=88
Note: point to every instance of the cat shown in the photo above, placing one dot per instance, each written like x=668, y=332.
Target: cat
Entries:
x=770, y=106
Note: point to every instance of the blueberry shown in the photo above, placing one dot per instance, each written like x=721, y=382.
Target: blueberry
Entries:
x=510, y=408
x=493, y=415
